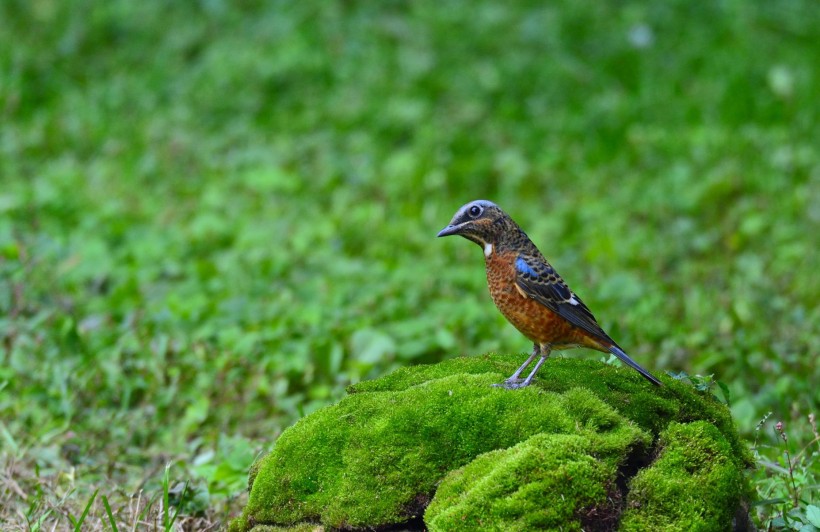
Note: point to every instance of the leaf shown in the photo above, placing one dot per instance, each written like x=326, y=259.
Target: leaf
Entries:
x=702, y=386
x=371, y=346
x=335, y=358
x=446, y=340
x=766, y=502
x=724, y=390
x=813, y=515
x=774, y=467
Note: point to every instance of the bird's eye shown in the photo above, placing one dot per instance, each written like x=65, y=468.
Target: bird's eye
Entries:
x=475, y=210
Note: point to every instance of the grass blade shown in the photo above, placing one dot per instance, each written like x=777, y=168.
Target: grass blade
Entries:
x=176, y=510
x=111, y=520
x=165, y=481
x=79, y=524
x=766, y=502
x=774, y=467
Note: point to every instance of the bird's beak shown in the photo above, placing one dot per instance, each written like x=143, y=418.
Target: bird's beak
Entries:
x=450, y=230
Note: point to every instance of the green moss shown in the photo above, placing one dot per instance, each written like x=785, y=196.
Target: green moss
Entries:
x=377, y=457
x=627, y=392
x=535, y=484
x=548, y=481
x=304, y=527
x=695, y=483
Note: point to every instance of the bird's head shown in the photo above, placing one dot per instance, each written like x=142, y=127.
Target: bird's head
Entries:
x=481, y=221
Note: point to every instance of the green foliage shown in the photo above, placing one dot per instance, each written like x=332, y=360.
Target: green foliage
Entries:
x=215, y=216
x=558, y=452
x=789, y=479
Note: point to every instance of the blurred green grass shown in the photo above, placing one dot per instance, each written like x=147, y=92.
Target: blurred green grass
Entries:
x=215, y=215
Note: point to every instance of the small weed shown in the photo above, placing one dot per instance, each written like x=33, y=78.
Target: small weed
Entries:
x=787, y=482
x=705, y=383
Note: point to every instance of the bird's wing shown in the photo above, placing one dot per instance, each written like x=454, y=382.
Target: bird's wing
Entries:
x=539, y=281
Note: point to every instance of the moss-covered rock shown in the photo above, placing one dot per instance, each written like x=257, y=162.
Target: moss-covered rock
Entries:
x=564, y=452
x=694, y=484
x=545, y=482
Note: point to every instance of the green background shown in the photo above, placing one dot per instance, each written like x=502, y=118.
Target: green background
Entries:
x=216, y=215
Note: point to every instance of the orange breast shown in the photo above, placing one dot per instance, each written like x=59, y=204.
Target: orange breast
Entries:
x=534, y=320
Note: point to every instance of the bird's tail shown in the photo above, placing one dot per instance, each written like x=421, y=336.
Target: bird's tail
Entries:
x=618, y=352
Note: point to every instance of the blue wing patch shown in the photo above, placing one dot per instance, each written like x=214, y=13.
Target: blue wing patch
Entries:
x=522, y=267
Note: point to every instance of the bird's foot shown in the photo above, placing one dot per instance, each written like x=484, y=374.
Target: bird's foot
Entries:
x=512, y=384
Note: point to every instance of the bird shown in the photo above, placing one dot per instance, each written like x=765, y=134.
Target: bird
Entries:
x=529, y=292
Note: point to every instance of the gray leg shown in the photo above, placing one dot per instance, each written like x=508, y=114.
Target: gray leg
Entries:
x=515, y=381
x=543, y=358
x=535, y=351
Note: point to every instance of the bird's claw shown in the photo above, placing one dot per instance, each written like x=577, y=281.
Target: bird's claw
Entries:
x=512, y=384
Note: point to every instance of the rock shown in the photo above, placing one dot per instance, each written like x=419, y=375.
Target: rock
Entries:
x=587, y=446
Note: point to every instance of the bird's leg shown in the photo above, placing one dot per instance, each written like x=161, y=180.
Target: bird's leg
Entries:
x=514, y=381
x=544, y=355
x=511, y=385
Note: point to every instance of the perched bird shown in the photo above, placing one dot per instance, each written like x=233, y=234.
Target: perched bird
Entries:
x=529, y=292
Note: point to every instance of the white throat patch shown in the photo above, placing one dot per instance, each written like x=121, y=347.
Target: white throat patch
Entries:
x=488, y=250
